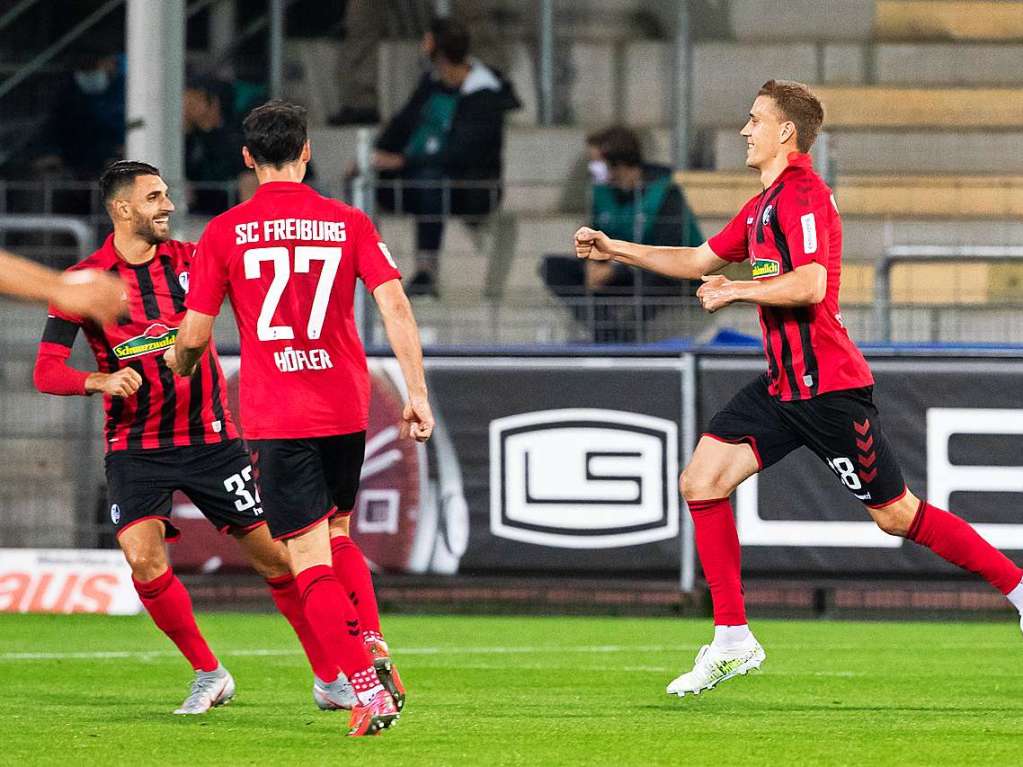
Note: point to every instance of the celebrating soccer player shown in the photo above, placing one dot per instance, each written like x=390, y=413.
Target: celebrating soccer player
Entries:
x=164, y=434
x=818, y=391
x=289, y=259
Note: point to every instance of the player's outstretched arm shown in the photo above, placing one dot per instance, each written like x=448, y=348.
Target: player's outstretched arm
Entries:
x=680, y=263
x=194, y=335
x=403, y=335
x=83, y=293
x=803, y=286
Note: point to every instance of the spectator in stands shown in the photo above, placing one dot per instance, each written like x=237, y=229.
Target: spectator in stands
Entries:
x=86, y=129
x=637, y=201
x=441, y=154
x=369, y=22
x=213, y=161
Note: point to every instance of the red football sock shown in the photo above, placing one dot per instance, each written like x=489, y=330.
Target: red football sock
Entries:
x=285, y=595
x=353, y=574
x=333, y=619
x=718, y=545
x=952, y=539
x=170, y=607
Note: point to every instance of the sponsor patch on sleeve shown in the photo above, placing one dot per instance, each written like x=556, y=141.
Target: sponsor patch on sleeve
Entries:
x=387, y=254
x=809, y=233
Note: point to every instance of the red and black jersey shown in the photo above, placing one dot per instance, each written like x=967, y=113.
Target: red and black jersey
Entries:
x=166, y=411
x=792, y=223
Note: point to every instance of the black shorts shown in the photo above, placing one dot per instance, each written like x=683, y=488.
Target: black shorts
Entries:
x=216, y=478
x=304, y=481
x=843, y=428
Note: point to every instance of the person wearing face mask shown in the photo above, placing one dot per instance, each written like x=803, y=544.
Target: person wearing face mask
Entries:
x=86, y=129
x=440, y=155
x=629, y=197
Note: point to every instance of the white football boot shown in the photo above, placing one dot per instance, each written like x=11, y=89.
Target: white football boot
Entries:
x=209, y=689
x=715, y=665
x=331, y=696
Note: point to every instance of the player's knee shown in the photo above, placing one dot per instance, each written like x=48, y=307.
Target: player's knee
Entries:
x=697, y=485
x=892, y=520
x=146, y=565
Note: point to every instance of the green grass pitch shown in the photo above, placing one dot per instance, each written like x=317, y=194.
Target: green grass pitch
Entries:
x=88, y=690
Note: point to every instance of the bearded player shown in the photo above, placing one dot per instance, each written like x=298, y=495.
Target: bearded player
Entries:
x=164, y=433
x=289, y=259
x=818, y=391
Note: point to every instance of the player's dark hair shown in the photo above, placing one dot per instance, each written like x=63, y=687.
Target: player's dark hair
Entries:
x=122, y=173
x=618, y=145
x=450, y=39
x=275, y=133
x=797, y=104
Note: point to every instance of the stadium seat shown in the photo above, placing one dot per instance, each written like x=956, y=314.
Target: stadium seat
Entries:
x=948, y=20
x=908, y=107
x=719, y=193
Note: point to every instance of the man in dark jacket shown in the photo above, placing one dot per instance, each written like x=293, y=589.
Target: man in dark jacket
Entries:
x=631, y=198
x=441, y=154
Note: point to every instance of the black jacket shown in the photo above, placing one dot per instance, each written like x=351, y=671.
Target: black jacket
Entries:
x=476, y=138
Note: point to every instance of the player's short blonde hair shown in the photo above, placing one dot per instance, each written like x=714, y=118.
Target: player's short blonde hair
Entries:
x=798, y=105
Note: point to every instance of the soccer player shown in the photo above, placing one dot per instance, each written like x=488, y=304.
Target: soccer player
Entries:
x=85, y=292
x=289, y=259
x=818, y=391
x=164, y=433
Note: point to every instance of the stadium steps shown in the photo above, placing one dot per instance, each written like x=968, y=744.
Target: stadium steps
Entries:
x=948, y=20
x=873, y=107
x=722, y=193
x=912, y=151
x=966, y=63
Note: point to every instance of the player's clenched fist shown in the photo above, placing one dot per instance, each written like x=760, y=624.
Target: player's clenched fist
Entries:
x=592, y=244
x=124, y=383
x=417, y=419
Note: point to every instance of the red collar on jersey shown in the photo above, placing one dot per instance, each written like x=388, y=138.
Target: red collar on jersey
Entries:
x=107, y=256
x=281, y=186
x=800, y=160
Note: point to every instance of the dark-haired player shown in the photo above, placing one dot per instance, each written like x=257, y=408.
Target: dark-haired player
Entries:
x=289, y=259
x=818, y=391
x=164, y=433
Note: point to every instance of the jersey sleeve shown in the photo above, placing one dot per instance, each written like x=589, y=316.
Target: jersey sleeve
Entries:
x=730, y=243
x=208, y=276
x=52, y=374
x=806, y=222
x=373, y=261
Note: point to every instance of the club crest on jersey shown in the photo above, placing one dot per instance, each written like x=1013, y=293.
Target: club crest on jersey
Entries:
x=157, y=337
x=183, y=281
x=115, y=513
x=768, y=212
x=765, y=267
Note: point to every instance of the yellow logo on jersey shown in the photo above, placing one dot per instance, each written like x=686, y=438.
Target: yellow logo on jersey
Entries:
x=765, y=267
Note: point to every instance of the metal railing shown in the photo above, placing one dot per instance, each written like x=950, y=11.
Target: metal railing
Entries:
x=920, y=254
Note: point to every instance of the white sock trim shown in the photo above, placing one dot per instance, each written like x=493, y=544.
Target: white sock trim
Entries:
x=729, y=637
x=1016, y=597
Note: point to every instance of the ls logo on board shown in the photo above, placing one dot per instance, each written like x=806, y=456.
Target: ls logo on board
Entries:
x=583, y=478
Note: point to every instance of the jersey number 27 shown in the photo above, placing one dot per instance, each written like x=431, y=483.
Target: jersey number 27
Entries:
x=281, y=259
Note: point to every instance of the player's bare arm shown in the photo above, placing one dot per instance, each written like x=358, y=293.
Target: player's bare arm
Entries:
x=403, y=334
x=84, y=293
x=803, y=286
x=193, y=337
x=680, y=263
